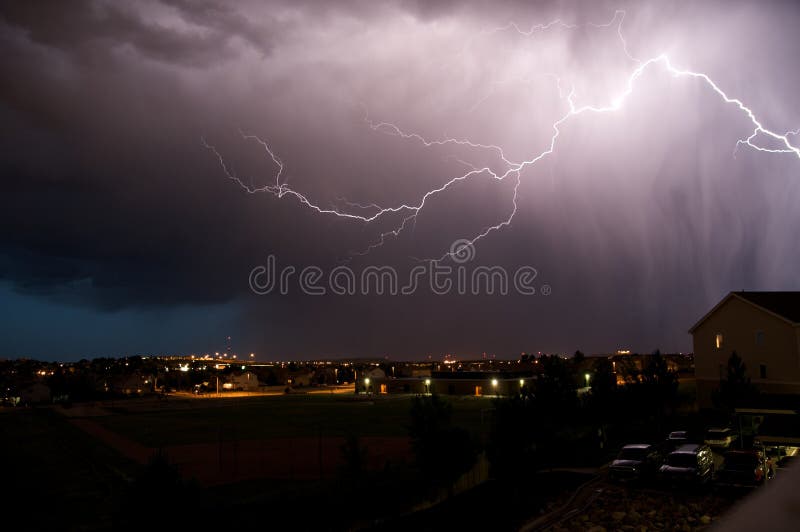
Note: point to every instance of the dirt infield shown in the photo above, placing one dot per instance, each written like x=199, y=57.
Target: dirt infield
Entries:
x=126, y=447
x=279, y=458
x=229, y=460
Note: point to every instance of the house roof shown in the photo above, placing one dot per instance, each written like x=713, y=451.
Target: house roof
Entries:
x=784, y=305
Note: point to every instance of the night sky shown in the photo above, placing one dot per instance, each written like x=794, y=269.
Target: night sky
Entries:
x=121, y=233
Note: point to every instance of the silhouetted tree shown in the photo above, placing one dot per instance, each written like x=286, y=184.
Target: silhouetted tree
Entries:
x=442, y=452
x=354, y=458
x=736, y=389
x=604, y=380
x=155, y=497
x=660, y=382
x=556, y=384
x=513, y=438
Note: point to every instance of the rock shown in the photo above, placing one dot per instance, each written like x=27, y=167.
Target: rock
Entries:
x=597, y=529
x=705, y=519
x=618, y=516
x=651, y=513
x=682, y=510
x=634, y=515
x=691, y=519
x=583, y=517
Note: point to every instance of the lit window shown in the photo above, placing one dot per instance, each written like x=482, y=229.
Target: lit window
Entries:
x=718, y=341
x=759, y=337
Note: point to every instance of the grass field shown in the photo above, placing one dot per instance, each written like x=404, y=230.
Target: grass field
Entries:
x=261, y=418
x=83, y=478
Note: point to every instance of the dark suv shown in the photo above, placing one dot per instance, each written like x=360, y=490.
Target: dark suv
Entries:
x=745, y=469
x=689, y=463
x=636, y=461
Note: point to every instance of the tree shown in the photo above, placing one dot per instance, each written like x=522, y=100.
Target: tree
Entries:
x=354, y=458
x=556, y=384
x=660, y=383
x=736, y=389
x=513, y=438
x=604, y=382
x=442, y=452
x=155, y=493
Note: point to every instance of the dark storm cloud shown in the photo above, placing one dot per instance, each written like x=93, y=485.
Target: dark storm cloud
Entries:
x=639, y=221
x=89, y=29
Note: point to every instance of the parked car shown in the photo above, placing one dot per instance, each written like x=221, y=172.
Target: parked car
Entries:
x=745, y=469
x=690, y=462
x=787, y=461
x=677, y=438
x=720, y=438
x=636, y=461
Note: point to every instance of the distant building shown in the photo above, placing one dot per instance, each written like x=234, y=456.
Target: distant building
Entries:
x=301, y=378
x=475, y=383
x=246, y=381
x=764, y=330
x=34, y=394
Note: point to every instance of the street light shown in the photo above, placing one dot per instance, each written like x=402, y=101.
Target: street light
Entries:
x=587, y=377
x=366, y=385
x=521, y=383
x=427, y=386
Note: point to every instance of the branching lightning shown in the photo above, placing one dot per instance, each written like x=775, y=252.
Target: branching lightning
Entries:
x=511, y=171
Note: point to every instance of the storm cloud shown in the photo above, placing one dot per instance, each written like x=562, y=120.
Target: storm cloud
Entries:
x=113, y=209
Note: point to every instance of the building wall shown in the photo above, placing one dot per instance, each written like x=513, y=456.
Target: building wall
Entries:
x=448, y=386
x=739, y=323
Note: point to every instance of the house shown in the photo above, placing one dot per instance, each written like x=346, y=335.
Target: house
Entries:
x=245, y=381
x=301, y=378
x=135, y=384
x=764, y=330
x=35, y=393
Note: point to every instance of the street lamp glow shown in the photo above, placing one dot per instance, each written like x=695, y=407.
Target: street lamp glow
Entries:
x=427, y=382
x=587, y=377
x=366, y=381
x=521, y=383
x=494, y=383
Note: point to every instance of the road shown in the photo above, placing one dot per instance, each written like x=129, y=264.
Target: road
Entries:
x=577, y=503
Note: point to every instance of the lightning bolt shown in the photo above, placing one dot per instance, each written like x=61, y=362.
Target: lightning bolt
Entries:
x=511, y=170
